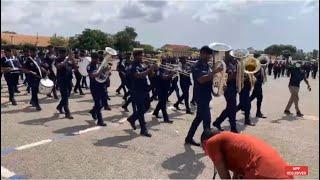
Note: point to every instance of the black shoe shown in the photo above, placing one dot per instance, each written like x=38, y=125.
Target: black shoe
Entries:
x=49, y=95
x=260, y=115
x=146, y=133
x=176, y=106
x=191, y=142
x=249, y=123
x=156, y=115
x=14, y=102
x=69, y=117
x=132, y=124
x=218, y=126
x=287, y=112
x=107, y=108
x=17, y=91
x=234, y=130
x=299, y=114
x=125, y=109
x=108, y=98
x=168, y=121
x=59, y=110
x=81, y=93
x=189, y=112
x=94, y=116
x=38, y=108
x=75, y=92
x=101, y=124
x=118, y=92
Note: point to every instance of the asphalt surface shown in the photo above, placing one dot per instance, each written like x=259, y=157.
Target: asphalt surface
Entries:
x=116, y=151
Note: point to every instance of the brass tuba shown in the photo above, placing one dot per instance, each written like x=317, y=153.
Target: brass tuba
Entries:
x=240, y=55
x=219, y=80
x=104, y=64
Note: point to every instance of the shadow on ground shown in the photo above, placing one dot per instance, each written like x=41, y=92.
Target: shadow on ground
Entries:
x=186, y=165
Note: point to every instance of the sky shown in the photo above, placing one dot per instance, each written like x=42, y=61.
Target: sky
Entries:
x=239, y=23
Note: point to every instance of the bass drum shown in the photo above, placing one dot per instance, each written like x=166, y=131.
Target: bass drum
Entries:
x=83, y=66
x=45, y=86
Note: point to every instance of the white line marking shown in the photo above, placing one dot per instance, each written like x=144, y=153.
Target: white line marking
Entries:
x=123, y=120
x=88, y=130
x=34, y=144
x=6, y=173
x=171, y=107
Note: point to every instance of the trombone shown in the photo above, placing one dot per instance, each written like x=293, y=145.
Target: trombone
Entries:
x=170, y=67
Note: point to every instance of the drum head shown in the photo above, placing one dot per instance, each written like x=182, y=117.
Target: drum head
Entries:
x=46, y=82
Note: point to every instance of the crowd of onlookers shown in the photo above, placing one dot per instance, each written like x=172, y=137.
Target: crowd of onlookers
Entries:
x=282, y=69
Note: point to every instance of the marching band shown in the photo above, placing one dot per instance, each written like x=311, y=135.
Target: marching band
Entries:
x=219, y=70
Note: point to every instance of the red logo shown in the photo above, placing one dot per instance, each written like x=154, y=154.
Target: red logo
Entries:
x=296, y=170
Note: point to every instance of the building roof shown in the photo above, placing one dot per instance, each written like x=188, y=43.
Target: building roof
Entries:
x=176, y=47
x=18, y=39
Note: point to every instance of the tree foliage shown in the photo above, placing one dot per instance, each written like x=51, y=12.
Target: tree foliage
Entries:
x=147, y=48
x=315, y=54
x=91, y=39
x=9, y=32
x=3, y=41
x=125, y=40
x=58, y=41
x=277, y=50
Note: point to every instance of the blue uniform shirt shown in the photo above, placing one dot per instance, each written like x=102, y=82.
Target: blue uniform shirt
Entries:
x=202, y=91
x=94, y=85
x=139, y=85
x=64, y=75
x=297, y=75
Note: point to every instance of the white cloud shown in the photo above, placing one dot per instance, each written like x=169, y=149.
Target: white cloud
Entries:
x=291, y=18
x=259, y=21
x=309, y=6
x=213, y=10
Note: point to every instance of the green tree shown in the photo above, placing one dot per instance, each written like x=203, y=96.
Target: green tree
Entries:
x=147, y=48
x=277, y=50
x=315, y=54
x=125, y=40
x=9, y=32
x=3, y=41
x=58, y=41
x=299, y=55
x=92, y=39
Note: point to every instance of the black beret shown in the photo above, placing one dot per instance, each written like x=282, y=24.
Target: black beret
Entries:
x=94, y=55
x=206, y=49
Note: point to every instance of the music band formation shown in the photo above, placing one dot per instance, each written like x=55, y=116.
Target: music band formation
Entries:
x=219, y=71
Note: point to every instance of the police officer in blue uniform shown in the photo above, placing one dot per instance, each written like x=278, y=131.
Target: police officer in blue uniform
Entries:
x=203, y=76
x=121, y=71
x=10, y=74
x=230, y=95
x=78, y=55
x=64, y=67
x=174, y=81
x=163, y=85
x=127, y=80
x=245, y=102
x=140, y=92
x=257, y=90
x=185, y=83
x=50, y=59
x=34, y=75
x=97, y=89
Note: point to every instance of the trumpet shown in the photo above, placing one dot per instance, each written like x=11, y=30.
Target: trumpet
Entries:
x=177, y=68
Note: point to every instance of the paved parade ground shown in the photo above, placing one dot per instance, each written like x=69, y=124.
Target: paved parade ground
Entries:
x=43, y=145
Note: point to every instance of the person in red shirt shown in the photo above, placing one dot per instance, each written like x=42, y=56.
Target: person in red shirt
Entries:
x=246, y=156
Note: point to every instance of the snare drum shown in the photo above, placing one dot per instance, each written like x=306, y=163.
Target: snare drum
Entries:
x=45, y=86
